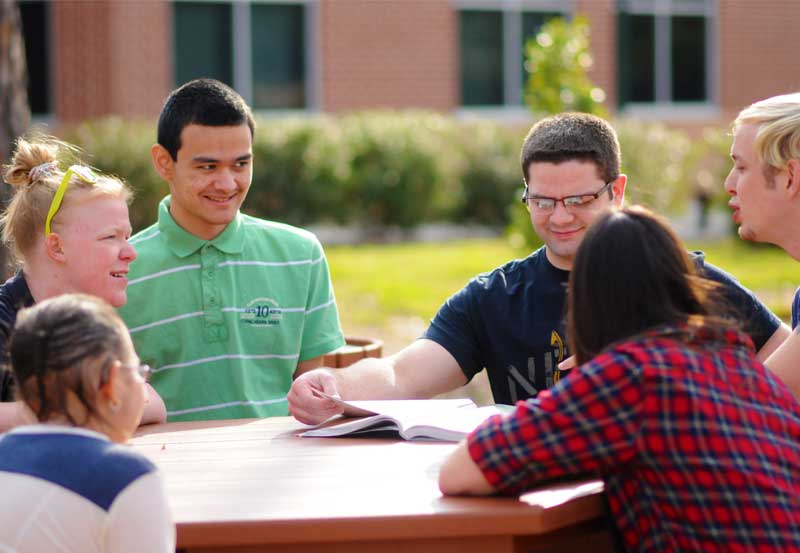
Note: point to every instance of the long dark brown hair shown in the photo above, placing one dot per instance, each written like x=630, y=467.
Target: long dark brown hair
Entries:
x=631, y=274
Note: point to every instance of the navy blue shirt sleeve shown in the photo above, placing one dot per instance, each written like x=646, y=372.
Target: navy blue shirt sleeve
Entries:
x=455, y=327
x=756, y=318
x=14, y=295
x=796, y=309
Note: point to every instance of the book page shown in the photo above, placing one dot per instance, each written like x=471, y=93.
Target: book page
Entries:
x=391, y=407
x=433, y=419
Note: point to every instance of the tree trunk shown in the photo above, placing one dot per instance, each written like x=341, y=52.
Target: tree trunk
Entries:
x=15, y=114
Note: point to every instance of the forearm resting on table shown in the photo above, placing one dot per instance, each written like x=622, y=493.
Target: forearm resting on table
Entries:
x=785, y=362
x=421, y=370
x=154, y=410
x=460, y=475
x=782, y=334
x=372, y=378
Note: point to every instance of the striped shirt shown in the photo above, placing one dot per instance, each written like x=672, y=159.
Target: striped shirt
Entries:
x=224, y=322
x=698, y=443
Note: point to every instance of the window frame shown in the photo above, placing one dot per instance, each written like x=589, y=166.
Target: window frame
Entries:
x=663, y=107
x=511, y=11
x=241, y=51
x=48, y=117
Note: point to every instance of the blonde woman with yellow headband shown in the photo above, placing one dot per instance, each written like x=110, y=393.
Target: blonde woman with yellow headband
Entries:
x=68, y=228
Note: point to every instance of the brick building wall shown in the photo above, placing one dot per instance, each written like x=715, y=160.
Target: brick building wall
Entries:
x=388, y=54
x=602, y=17
x=115, y=57
x=757, y=52
x=111, y=58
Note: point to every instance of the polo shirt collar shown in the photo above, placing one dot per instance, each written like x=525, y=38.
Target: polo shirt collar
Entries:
x=184, y=244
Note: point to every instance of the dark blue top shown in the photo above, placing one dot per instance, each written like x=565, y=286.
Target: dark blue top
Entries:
x=14, y=295
x=796, y=309
x=93, y=468
x=512, y=322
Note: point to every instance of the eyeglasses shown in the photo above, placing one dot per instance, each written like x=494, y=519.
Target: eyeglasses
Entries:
x=86, y=175
x=144, y=371
x=544, y=203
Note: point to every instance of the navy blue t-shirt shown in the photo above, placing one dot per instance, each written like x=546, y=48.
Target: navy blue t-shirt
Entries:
x=14, y=295
x=512, y=322
x=796, y=309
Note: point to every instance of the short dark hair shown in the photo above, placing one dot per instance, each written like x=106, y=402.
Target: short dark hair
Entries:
x=202, y=102
x=63, y=347
x=573, y=136
x=631, y=274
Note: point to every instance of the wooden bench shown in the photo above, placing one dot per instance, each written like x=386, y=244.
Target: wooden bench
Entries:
x=353, y=350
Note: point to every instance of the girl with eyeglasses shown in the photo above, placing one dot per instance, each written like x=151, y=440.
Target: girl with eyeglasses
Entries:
x=67, y=485
x=67, y=227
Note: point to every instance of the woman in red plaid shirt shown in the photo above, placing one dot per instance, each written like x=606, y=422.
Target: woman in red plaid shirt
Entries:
x=697, y=442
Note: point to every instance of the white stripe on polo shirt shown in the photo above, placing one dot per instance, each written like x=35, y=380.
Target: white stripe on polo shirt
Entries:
x=193, y=266
x=221, y=357
x=268, y=263
x=322, y=306
x=282, y=309
x=164, y=272
x=165, y=321
x=183, y=316
x=144, y=238
x=223, y=406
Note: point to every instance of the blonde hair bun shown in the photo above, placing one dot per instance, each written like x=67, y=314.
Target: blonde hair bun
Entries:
x=35, y=158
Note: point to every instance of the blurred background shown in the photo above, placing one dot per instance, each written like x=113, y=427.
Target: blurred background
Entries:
x=392, y=128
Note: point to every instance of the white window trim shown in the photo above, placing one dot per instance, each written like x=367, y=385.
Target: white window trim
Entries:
x=511, y=10
x=664, y=111
x=663, y=107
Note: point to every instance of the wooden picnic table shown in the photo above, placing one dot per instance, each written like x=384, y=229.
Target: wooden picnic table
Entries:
x=255, y=485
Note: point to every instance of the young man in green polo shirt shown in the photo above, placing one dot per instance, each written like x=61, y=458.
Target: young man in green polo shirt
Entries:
x=226, y=308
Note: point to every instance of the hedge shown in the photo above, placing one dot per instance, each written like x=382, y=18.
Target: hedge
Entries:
x=400, y=169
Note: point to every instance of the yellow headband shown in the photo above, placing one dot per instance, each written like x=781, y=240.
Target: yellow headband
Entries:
x=85, y=173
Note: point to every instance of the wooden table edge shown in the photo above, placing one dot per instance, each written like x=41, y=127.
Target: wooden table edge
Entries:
x=355, y=529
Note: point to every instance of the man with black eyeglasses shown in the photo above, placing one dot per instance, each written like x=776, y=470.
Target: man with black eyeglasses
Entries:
x=510, y=320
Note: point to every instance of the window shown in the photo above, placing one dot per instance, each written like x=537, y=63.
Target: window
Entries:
x=665, y=52
x=492, y=36
x=481, y=38
x=259, y=48
x=277, y=54
x=203, y=42
x=36, y=35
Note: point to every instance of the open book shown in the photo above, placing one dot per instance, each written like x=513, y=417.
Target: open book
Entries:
x=447, y=420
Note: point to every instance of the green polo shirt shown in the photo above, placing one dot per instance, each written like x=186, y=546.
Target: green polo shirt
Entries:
x=224, y=322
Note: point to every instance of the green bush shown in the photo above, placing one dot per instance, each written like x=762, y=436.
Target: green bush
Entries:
x=657, y=162
x=394, y=173
x=520, y=231
x=402, y=168
x=375, y=169
x=557, y=60
x=489, y=178
x=298, y=172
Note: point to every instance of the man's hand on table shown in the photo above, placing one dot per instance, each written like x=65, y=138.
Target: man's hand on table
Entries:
x=308, y=407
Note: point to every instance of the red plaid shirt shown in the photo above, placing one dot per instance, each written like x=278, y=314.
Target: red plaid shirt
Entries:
x=698, y=444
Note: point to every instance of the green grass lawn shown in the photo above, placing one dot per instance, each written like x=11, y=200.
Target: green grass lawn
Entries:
x=375, y=283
